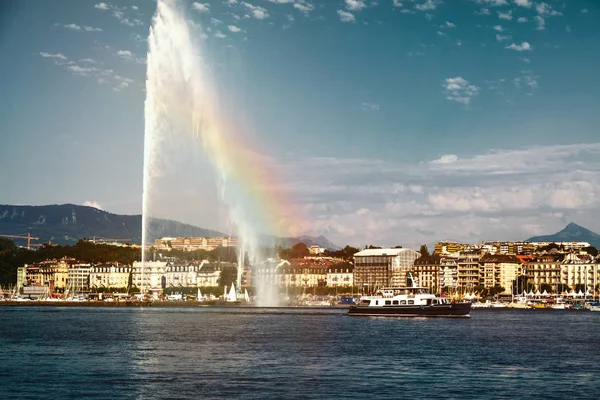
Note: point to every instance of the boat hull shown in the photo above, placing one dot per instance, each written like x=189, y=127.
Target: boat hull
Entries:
x=443, y=310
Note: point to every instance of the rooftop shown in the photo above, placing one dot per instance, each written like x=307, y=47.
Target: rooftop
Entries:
x=381, y=252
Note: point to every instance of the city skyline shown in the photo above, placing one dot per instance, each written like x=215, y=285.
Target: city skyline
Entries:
x=390, y=122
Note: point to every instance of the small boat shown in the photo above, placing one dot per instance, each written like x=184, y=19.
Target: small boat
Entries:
x=558, y=306
x=413, y=301
x=539, y=306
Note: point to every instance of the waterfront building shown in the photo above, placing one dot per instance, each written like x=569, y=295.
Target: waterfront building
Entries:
x=436, y=273
x=153, y=278
x=383, y=267
x=21, y=277
x=427, y=271
x=340, y=275
x=468, y=270
x=296, y=273
x=78, y=277
x=110, y=276
x=33, y=277
x=545, y=269
x=209, y=273
x=183, y=274
x=499, y=270
x=580, y=270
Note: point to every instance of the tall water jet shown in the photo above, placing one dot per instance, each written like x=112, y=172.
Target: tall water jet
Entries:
x=182, y=107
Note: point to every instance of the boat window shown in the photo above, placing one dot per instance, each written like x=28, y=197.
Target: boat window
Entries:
x=388, y=302
x=366, y=301
x=411, y=302
x=402, y=301
x=434, y=301
x=376, y=302
x=395, y=302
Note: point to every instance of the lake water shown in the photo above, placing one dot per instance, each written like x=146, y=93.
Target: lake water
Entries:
x=267, y=353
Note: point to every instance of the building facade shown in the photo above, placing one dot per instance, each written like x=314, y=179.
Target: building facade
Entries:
x=340, y=275
x=383, y=267
x=110, y=276
x=499, y=270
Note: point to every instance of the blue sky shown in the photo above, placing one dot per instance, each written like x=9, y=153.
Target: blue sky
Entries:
x=391, y=121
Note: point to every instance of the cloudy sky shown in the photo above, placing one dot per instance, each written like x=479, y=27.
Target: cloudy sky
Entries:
x=390, y=122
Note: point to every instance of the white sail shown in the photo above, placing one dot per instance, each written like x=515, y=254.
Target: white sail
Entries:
x=225, y=293
x=232, y=296
x=246, y=297
x=199, y=297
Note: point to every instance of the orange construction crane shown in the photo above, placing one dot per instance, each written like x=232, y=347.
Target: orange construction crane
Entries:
x=28, y=237
x=102, y=239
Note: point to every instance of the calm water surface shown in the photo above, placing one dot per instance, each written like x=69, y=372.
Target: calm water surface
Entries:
x=265, y=353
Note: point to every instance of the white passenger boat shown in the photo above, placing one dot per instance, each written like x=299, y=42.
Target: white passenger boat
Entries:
x=413, y=301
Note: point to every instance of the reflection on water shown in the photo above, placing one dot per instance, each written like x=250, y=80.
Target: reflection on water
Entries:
x=287, y=353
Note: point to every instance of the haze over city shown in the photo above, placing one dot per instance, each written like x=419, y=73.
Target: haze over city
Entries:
x=389, y=122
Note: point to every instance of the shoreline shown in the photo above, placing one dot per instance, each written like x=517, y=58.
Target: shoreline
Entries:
x=152, y=304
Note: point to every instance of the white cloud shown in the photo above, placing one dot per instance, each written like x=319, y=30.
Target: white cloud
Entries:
x=446, y=159
x=522, y=20
x=59, y=56
x=450, y=24
x=346, y=16
x=201, y=7
x=126, y=54
x=483, y=11
x=220, y=35
x=523, y=3
x=355, y=5
x=584, y=11
x=494, y=195
x=397, y=3
x=527, y=81
x=460, y=90
x=120, y=15
x=82, y=70
x=135, y=8
x=233, y=28
x=102, y=6
x=524, y=46
x=94, y=204
x=73, y=27
x=367, y=106
x=492, y=3
x=428, y=5
x=498, y=28
x=304, y=7
x=501, y=38
x=507, y=16
x=256, y=11
x=545, y=9
x=87, y=60
x=541, y=23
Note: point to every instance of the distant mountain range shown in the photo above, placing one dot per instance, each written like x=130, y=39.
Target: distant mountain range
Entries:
x=67, y=223
x=571, y=233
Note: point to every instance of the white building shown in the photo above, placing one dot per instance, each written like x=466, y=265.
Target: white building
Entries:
x=340, y=275
x=580, y=271
x=78, y=277
x=183, y=274
x=153, y=275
